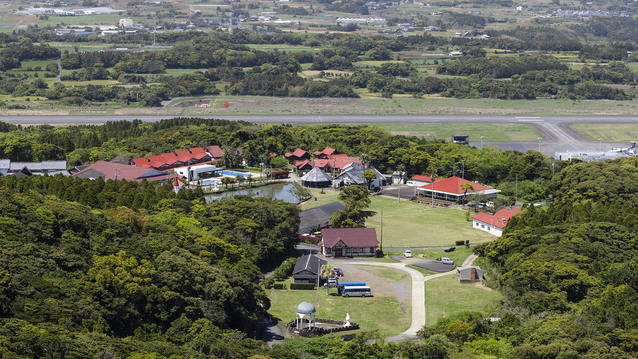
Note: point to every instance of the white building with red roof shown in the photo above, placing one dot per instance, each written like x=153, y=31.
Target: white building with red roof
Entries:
x=493, y=224
x=349, y=242
x=450, y=189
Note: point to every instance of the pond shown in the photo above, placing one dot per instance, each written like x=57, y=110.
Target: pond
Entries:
x=275, y=190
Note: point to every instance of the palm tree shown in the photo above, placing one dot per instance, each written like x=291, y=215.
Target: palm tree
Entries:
x=250, y=180
x=466, y=187
x=365, y=159
x=229, y=156
x=240, y=179
x=225, y=181
x=327, y=271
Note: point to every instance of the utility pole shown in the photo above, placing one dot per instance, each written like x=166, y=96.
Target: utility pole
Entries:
x=553, y=169
x=432, y=190
x=517, y=187
x=381, y=246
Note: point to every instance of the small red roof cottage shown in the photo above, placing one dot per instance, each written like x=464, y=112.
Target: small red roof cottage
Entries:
x=349, y=242
x=494, y=224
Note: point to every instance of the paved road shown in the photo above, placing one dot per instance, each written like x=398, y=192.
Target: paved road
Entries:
x=418, y=293
x=556, y=129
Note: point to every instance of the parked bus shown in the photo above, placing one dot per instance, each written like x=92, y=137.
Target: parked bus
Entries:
x=356, y=291
x=344, y=284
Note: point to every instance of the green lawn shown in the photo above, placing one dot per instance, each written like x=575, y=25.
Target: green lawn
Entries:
x=327, y=197
x=404, y=227
x=608, y=132
x=514, y=132
x=382, y=311
x=445, y=296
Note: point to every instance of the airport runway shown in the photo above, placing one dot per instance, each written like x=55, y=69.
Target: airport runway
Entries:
x=556, y=129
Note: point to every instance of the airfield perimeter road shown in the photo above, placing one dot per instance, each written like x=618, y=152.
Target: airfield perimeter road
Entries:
x=556, y=129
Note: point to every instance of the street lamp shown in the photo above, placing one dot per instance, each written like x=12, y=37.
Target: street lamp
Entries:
x=600, y=140
x=539, y=144
x=481, y=142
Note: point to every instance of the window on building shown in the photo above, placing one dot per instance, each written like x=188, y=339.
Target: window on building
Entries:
x=348, y=250
x=371, y=249
x=482, y=226
x=328, y=250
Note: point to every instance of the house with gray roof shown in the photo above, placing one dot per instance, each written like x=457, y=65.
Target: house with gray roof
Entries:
x=307, y=269
x=51, y=168
x=316, y=178
x=352, y=174
x=314, y=219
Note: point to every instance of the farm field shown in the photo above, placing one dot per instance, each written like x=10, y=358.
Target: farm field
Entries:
x=388, y=310
x=445, y=296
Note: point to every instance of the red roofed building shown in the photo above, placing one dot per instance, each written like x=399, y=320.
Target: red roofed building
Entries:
x=118, y=171
x=450, y=189
x=200, y=154
x=494, y=224
x=298, y=155
x=349, y=242
x=304, y=165
x=215, y=151
x=336, y=162
x=325, y=153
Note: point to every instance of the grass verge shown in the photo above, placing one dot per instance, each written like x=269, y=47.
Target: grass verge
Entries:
x=608, y=132
x=445, y=296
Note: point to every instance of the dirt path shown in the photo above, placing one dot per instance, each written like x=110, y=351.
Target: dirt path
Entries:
x=418, y=291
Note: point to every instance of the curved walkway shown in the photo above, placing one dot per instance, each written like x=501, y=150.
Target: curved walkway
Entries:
x=418, y=292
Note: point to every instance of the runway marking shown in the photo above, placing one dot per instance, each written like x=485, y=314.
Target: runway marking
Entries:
x=530, y=120
x=526, y=117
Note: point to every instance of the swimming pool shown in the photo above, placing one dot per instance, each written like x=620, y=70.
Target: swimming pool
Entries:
x=234, y=174
x=209, y=182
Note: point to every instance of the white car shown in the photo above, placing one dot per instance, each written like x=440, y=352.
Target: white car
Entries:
x=445, y=260
x=407, y=254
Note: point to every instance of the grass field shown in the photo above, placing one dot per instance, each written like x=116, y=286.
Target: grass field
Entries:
x=412, y=106
x=608, y=132
x=403, y=227
x=445, y=296
x=514, y=132
x=382, y=311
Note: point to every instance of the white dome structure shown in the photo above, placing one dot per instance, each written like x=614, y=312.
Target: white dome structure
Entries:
x=306, y=309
